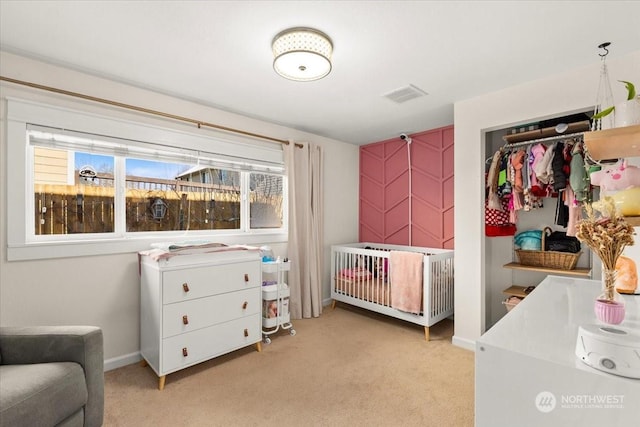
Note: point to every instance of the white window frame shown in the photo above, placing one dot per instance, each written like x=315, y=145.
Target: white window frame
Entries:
x=20, y=242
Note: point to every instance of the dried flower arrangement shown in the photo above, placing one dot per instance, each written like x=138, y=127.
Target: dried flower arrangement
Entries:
x=607, y=235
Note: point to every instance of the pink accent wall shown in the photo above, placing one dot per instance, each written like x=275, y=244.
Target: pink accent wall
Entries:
x=384, y=190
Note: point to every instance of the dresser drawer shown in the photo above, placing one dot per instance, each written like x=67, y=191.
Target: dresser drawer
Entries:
x=199, y=313
x=198, y=282
x=193, y=347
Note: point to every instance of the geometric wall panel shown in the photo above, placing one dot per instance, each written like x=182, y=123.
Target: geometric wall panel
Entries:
x=370, y=192
x=427, y=159
x=447, y=191
x=374, y=168
x=396, y=191
x=372, y=217
x=397, y=217
x=370, y=235
x=426, y=188
x=384, y=190
x=400, y=237
x=430, y=218
x=420, y=238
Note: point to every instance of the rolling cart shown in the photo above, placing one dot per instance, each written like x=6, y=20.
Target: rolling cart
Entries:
x=275, y=299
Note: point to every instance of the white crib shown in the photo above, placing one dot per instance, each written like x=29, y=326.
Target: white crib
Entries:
x=360, y=277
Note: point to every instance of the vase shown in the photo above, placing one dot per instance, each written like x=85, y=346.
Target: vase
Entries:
x=609, y=306
x=627, y=113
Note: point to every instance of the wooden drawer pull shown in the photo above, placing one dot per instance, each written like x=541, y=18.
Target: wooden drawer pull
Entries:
x=246, y=277
x=185, y=353
x=246, y=332
x=185, y=320
x=244, y=305
x=185, y=287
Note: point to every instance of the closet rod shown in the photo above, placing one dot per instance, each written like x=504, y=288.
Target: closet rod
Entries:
x=199, y=123
x=575, y=136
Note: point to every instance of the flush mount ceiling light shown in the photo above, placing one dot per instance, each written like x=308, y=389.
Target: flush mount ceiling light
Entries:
x=302, y=54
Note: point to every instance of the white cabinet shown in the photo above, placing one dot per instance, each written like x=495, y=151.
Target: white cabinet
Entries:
x=527, y=373
x=196, y=307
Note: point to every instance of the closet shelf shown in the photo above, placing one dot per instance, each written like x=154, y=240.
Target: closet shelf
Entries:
x=547, y=134
x=578, y=271
x=613, y=143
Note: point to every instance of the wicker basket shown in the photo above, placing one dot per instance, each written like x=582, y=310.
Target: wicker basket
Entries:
x=548, y=259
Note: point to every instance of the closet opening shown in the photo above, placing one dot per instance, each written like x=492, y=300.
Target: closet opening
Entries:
x=527, y=204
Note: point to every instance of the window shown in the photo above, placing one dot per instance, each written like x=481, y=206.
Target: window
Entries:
x=84, y=188
x=159, y=195
x=80, y=202
x=164, y=196
x=266, y=200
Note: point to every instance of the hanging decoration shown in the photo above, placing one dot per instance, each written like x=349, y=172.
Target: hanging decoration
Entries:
x=603, y=113
x=158, y=209
x=87, y=174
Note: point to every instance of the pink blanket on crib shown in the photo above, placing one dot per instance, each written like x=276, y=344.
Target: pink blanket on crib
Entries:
x=406, y=280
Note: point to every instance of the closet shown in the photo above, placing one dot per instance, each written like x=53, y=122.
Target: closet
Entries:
x=502, y=269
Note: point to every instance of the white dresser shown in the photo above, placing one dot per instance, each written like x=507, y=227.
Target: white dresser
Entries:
x=527, y=372
x=196, y=307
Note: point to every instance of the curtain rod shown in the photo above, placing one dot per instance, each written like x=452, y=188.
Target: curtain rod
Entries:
x=199, y=123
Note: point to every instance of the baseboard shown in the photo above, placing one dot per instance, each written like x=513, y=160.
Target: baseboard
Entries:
x=120, y=361
x=465, y=343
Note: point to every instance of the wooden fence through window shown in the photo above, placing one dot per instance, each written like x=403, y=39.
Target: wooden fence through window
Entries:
x=88, y=206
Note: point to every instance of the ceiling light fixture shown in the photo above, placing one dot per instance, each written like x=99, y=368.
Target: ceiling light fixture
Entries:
x=302, y=54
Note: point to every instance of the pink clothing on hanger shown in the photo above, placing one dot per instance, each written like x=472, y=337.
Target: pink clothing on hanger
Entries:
x=575, y=210
x=517, y=160
x=537, y=153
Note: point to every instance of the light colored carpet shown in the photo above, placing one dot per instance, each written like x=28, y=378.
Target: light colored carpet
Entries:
x=349, y=367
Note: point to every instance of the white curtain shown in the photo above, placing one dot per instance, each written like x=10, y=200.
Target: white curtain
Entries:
x=304, y=172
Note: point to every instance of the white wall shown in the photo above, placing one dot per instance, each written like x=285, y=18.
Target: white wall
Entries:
x=103, y=290
x=563, y=93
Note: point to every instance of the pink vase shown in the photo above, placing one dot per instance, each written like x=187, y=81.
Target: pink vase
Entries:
x=611, y=312
x=609, y=306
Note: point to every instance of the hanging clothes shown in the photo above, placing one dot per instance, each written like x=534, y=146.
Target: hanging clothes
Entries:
x=527, y=175
x=496, y=214
x=492, y=182
x=575, y=211
x=543, y=169
x=516, y=161
x=535, y=158
x=526, y=170
x=562, y=211
x=497, y=222
x=532, y=188
x=531, y=201
x=578, y=177
x=559, y=165
x=504, y=186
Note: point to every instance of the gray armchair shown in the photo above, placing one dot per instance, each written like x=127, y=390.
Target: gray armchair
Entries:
x=51, y=376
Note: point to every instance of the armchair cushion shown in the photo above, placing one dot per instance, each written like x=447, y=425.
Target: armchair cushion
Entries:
x=65, y=352
x=42, y=394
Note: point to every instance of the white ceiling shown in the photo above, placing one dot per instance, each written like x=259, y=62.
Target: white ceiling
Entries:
x=219, y=52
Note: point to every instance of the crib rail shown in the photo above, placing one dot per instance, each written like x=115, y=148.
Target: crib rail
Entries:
x=360, y=276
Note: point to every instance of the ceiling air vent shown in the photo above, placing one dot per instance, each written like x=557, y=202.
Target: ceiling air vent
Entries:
x=404, y=94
